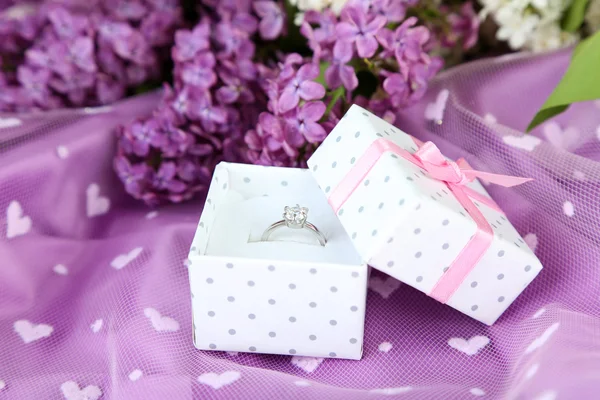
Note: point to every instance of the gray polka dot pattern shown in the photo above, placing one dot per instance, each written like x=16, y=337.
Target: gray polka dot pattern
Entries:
x=231, y=299
x=374, y=233
x=417, y=231
x=312, y=337
x=292, y=286
x=229, y=265
x=284, y=183
x=352, y=160
x=387, y=179
x=334, y=164
x=272, y=302
x=445, y=246
x=209, y=280
x=500, y=299
x=250, y=283
x=292, y=319
x=313, y=271
x=357, y=134
x=474, y=308
x=332, y=354
x=408, y=178
x=418, y=254
x=474, y=284
x=401, y=202
x=272, y=334
x=380, y=206
x=445, y=222
x=333, y=322
x=211, y=313
x=333, y=289
x=367, y=182
x=354, y=235
x=500, y=277
x=353, y=340
x=315, y=168
x=390, y=264
x=327, y=189
x=212, y=346
x=501, y=253
x=312, y=304
x=292, y=351
x=232, y=331
x=419, y=278
x=341, y=212
x=361, y=209
x=528, y=268
x=247, y=180
x=251, y=316
x=353, y=308
x=338, y=139
x=271, y=268
x=252, y=348
x=355, y=274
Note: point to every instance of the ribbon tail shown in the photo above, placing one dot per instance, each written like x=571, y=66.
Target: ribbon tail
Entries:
x=502, y=180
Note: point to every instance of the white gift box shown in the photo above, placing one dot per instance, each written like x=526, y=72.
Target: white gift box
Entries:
x=288, y=295
x=412, y=227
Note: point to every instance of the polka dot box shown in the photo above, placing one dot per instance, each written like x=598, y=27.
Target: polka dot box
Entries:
x=286, y=296
x=412, y=227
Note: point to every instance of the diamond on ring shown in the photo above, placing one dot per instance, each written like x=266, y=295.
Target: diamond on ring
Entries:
x=295, y=217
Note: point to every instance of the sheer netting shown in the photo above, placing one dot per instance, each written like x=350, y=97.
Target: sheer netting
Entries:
x=81, y=261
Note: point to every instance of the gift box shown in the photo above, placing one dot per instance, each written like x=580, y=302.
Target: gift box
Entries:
x=288, y=295
x=421, y=218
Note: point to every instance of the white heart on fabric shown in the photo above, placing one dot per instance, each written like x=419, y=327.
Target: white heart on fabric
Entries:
x=308, y=364
x=2, y=384
x=531, y=240
x=122, y=260
x=385, y=347
x=385, y=287
x=435, y=111
x=525, y=142
x=10, y=122
x=217, y=381
x=30, y=332
x=477, y=392
x=531, y=371
x=543, y=338
x=17, y=222
x=152, y=215
x=580, y=176
x=95, y=203
x=539, y=313
x=135, y=375
x=490, y=119
x=598, y=132
x=562, y=138
x=161, y=323
x=302, y=383
x=62, y=152
x=568, y=209
x=60, y=269
x=391, y=391
x=469, y=347
x=72, y=391
x=96, y=325
x=97, y=110
x=547, y=395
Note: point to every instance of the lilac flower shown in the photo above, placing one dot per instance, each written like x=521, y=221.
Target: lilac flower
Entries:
x=134, y=48
x=338, y=73
x=133, y=176
x=157, y=27
x=142, y=134
x=81, y=53
x=301, y=87
x=203, y=110
x=326, y=22
x=233, y=90
x=127, y=9
x=406, y=43
x=108, y=90
x=396, y=86
x=67, y=25
x=360, y=29
x=112, y=31
x=464, y=26
x=190, y=43
x=271, y=18
x=171, y=140
x=164, y=178
x=304, y=123
x=35, y=83
x=199, y=73
x=234, y=41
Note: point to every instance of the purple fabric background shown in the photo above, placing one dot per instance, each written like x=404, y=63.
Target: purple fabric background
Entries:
x=546, y=346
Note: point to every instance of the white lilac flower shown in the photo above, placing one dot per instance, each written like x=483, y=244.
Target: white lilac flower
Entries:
x=550, y=37
x=592, y=16
x=514, y=26
x=316, y=5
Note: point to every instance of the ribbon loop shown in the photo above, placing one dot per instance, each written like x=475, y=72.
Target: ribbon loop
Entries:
x=438, y=167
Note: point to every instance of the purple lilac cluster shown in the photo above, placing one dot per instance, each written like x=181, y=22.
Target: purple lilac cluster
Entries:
x=214, y=101
x=63, y=56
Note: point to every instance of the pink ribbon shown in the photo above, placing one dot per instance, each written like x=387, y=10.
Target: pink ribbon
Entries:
x=456, y=175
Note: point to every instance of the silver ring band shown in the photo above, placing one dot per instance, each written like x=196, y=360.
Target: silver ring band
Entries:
x=295, y=218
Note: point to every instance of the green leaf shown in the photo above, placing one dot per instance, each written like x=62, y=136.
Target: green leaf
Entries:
x=581, y=82
x=322, y=68
x=335, y=96
x=574, y=16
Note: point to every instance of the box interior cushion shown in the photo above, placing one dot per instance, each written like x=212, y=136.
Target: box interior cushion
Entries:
x=251, y=198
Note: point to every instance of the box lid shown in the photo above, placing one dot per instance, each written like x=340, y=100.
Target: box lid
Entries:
x=411, y=226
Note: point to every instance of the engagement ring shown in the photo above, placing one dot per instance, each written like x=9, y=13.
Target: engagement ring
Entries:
x=295, y=218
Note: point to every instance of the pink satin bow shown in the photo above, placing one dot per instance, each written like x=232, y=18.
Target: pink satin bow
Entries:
x=460, y=172
x=456, y=175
